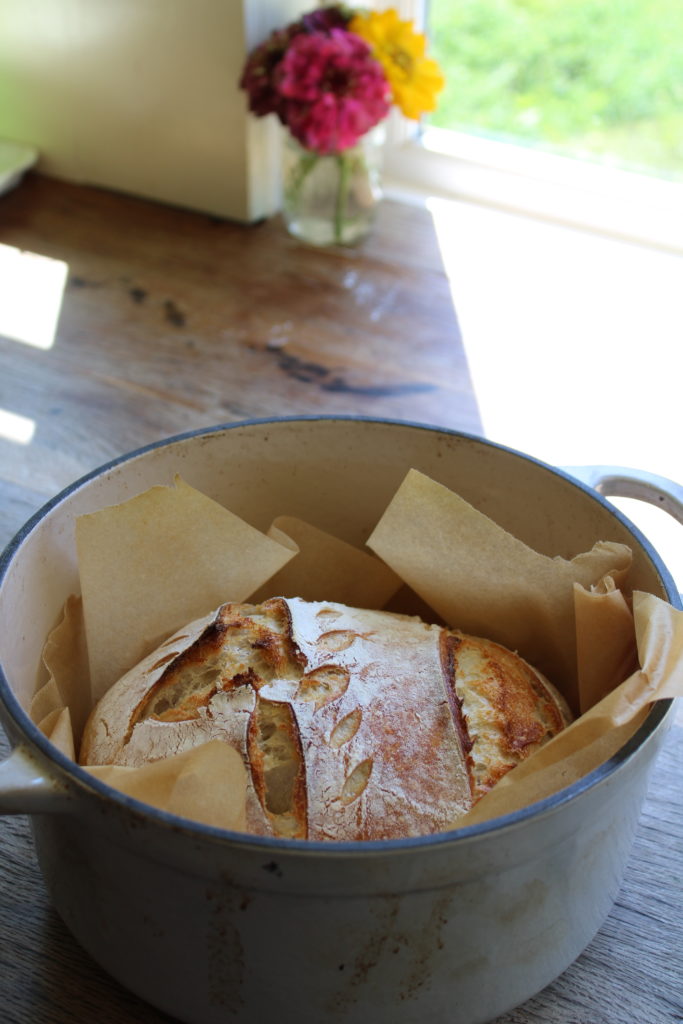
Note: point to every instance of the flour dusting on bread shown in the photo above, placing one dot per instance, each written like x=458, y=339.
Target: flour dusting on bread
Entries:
x=353, y=724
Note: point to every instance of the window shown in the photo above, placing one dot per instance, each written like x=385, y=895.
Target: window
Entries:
x=571, y=111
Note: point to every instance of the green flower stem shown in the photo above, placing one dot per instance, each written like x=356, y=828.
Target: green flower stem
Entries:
x=325, y=208
x=342, y=196
x=304, y=166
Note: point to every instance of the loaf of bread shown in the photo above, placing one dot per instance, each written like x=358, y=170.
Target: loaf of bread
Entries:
x=353, y=724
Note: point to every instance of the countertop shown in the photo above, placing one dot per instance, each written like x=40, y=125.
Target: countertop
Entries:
x=167, y=320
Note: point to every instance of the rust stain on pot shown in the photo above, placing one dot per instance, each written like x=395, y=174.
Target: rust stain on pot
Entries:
x=225, y=959
x=404, y=949
x=532, y=897
x=371, y=952
x=468, y=968
x=424, y=944
x=354, y=973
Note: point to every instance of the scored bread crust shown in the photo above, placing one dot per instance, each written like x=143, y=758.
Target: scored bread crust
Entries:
x=353, y=724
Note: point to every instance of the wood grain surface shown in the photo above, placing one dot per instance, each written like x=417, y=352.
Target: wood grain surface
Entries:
x=172, y=321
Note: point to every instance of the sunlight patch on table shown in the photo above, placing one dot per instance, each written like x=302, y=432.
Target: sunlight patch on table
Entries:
x=14, y=427
x=31, y=292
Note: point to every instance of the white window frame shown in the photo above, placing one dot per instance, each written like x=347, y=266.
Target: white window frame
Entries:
x=456, y=165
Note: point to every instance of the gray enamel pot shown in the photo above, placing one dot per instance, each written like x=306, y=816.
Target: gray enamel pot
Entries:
x=215, y=927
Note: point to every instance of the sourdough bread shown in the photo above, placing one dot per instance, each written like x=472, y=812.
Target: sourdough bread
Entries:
x=354, y=724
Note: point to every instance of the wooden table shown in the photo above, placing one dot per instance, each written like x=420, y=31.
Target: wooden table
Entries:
x=172, y=321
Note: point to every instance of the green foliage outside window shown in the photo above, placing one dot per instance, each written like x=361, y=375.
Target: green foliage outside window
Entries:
x=594, y=78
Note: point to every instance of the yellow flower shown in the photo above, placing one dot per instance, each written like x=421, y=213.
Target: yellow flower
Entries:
x=415, y=79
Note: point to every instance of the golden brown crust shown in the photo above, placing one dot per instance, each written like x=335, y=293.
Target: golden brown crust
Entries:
x=507, y=708
x=353, y=724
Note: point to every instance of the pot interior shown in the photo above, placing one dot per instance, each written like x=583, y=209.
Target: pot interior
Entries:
x=338, y=474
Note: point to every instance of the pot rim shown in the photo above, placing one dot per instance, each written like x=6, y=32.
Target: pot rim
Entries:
x=328, y=848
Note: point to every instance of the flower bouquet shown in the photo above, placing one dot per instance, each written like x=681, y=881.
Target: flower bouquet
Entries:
x=331, y=78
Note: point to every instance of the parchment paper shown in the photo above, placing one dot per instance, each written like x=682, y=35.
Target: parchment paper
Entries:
x=156, y=562
x=327, y=569
x=485, y=582
x=206, y=784
x=599, y=733
x=153, y=563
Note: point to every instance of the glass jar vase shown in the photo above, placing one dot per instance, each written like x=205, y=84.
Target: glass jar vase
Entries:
x=331, y=199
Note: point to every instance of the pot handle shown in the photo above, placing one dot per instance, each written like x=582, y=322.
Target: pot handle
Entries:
x=618, y=482
x=26, y=789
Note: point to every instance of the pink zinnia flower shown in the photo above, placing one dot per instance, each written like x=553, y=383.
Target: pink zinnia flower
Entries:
x=334, y=90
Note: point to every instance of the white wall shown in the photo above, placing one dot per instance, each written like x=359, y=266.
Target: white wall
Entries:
x=141, y=96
